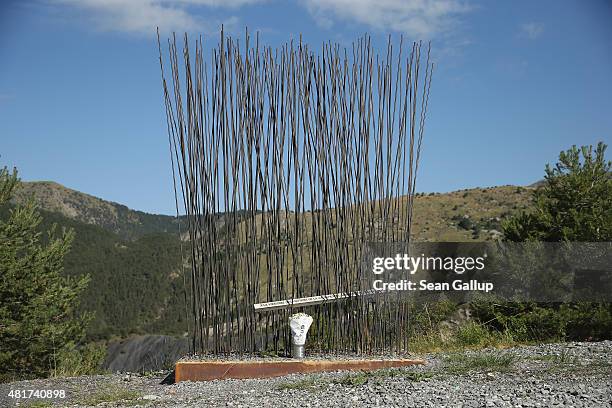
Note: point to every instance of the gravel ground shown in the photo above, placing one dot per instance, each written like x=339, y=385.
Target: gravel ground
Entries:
x=568, y=374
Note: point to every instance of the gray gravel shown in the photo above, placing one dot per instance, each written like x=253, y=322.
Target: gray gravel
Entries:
x=568, y=374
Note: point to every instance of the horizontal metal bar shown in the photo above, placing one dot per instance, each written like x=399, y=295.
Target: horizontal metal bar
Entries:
x=309, y=301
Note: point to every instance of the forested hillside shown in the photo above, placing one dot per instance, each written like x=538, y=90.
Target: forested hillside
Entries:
x=136, y=286
x=134, y=258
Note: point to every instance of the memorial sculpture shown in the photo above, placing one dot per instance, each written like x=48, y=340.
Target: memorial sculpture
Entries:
x=286, y=162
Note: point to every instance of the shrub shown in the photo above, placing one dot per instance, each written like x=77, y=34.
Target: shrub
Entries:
x=73, y=361
x=529, y=322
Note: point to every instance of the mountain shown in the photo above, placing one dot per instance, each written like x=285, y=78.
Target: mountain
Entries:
x=134, y=258
x=114, y=217
x=437, y=216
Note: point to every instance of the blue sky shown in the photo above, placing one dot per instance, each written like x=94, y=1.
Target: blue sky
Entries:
x=515, y=83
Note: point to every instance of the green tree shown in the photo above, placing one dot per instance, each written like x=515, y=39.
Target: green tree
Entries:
x=38, y=309
x=575, y=203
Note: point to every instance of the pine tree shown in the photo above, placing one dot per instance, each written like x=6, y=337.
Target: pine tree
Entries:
x=575, y=203
x=38, y=304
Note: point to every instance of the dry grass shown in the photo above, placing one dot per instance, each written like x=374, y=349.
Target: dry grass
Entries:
x=433, y=214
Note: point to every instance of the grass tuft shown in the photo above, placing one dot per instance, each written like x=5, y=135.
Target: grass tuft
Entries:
x=565, y=357
x=470, y=336
x=356, y=379
x=39, y=404
x=111, y=395
x=462, y=363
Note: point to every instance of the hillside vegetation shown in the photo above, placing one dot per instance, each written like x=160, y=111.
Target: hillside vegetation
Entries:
x=465, y=215
x=133, y=258
x=136, y=286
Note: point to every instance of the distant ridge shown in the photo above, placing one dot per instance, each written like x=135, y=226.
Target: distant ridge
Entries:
x=541, y=183
x=538, y=184
x=128, y=224
x=437, y=215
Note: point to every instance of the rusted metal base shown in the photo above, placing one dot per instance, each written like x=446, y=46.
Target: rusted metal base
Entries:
x=221, y=370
